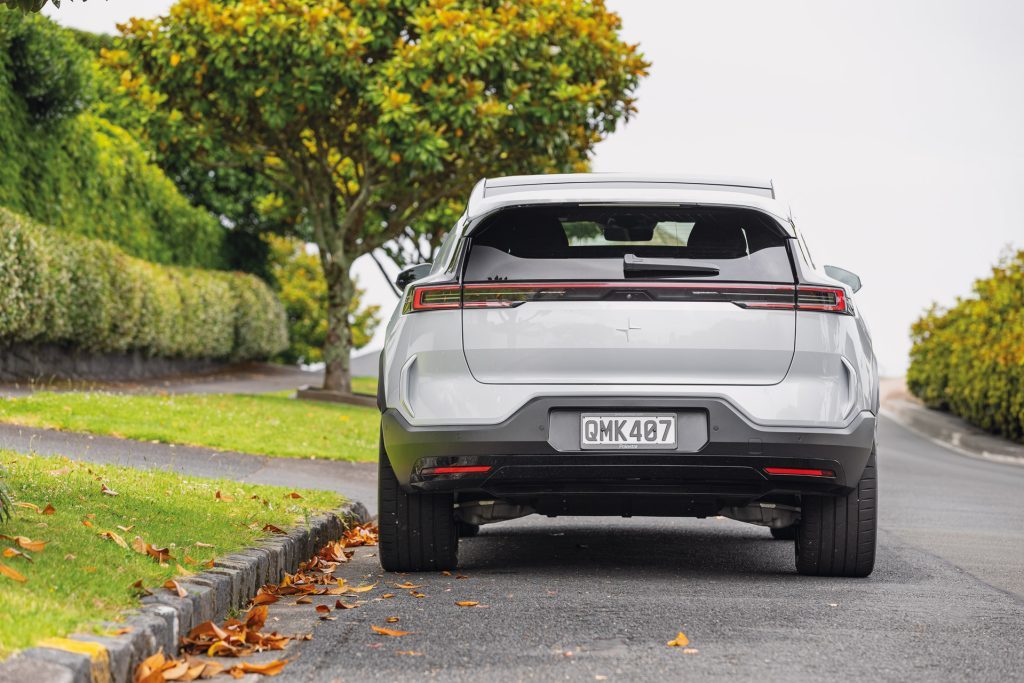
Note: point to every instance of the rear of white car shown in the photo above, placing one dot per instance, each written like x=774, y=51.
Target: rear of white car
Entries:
x=628, y=345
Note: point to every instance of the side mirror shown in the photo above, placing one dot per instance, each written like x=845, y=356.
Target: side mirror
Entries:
x=411, y=274
x=849, y=279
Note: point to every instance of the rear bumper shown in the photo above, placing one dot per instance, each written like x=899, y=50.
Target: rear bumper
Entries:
x=534, y=458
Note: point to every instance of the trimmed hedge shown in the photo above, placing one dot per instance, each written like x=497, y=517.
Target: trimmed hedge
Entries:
x=970, y=359
x=88, y=294
x=68, y=168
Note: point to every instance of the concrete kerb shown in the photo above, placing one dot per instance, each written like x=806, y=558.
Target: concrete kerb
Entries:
x=164, y=617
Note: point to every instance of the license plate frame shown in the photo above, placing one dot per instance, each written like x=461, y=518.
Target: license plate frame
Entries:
x=622, y=425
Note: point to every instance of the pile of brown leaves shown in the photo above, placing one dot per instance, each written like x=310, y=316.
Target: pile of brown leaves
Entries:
x=235, y=638
x=158, y=668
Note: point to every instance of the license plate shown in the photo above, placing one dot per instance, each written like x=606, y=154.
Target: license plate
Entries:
x=628, y=432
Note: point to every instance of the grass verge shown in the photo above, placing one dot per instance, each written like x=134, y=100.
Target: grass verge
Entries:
x=265, y=424
x=81, y=578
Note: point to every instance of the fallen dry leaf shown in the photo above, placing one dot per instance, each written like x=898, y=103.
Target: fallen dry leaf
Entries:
x=27, y=543
x=361, y=589
x=690, y=650
x=113, y=536
x=107, y=491
x=126, y=529
x=141, y=588
x=293, y=495
x=417, y=595
x=87, y=523
x=408, y=585
x=388, y=631
x=172, y=585
x=461, y=576
x=680, y=641
x=12, y=574
x=467, y=603
x=265, y=599
x=223, y=497
x=59, y=473
x=182, y=571
x=392, y=620
x=274, y=529
x=120, y=631
x=323, y=609
x=410, y=653
x=268, y=669
x=13, y=552
x=69, y=558
x=304, y=600
x=203, y=545
x=338, y=604
x=388, y=595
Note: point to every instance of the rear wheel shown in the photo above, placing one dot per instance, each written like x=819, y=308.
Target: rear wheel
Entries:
x=417, y=530
x=836, y=535
x=786, y=533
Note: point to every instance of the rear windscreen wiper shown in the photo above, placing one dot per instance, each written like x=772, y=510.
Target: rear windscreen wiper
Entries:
x=637, y=266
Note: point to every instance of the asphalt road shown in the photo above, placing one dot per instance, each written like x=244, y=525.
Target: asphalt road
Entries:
x=597, y=599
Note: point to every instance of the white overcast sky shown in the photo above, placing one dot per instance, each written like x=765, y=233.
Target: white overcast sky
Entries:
x=895, y=129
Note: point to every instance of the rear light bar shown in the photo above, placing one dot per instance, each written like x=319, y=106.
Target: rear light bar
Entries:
x=456, y=469
x=799, y=472
x=509, y=295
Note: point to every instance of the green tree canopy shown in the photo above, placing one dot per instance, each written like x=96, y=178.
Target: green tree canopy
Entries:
x=370, y=119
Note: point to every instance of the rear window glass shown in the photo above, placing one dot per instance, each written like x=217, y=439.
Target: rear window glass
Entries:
x=621, y=242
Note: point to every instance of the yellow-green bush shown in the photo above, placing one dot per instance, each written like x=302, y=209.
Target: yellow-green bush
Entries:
x=83, y=293
x=66, y=167
x=969, y=359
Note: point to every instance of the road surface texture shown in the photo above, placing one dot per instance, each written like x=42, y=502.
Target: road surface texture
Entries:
x=597, y=599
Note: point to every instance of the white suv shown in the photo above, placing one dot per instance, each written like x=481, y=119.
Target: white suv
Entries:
x=627, y=345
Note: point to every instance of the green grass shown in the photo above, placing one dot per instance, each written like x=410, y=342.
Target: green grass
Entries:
x=264, y=424
x=364, y=385
x=81, y=579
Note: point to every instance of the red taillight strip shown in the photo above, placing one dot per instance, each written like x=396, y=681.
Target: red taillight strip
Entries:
x=799, y=472
x=509, y=294
x=447, y=297
x=838, y=305
x=467, y=469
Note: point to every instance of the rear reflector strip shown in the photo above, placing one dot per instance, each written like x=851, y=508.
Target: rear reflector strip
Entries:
x=799, y=472
x=510, y=295
x=470, y=469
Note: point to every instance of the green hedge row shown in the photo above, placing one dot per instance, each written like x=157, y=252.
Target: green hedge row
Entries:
x=970, y=359
x=70, y=169
x=88, y=294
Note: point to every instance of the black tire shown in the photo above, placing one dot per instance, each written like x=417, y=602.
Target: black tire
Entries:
x=417, y=530
x=836, y=535
x=786, y=533
x=467, y=530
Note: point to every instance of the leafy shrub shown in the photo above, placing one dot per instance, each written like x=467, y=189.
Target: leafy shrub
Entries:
x=970, y=359
x=51, y=72
x=300, y=285
x=88, y=294
x=69, y=168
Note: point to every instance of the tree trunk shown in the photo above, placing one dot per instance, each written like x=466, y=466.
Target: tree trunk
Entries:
x=338, y=344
